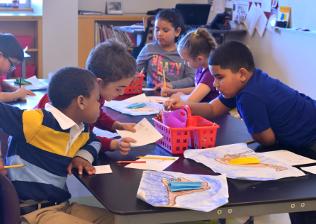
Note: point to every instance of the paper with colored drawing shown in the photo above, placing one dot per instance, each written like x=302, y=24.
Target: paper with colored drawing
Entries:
x=124, y=106
x=240, y=162
x=145, y=133
x=153, y=162
x=155, y=188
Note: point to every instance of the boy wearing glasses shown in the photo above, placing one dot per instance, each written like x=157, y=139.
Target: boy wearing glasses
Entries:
x=11, y=54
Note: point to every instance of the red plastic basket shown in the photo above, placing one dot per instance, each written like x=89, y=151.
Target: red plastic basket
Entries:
x=135, y=87
x=199, y=133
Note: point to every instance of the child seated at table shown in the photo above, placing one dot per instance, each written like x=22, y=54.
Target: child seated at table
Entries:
x=114, y=68
x=50, y=143
x=160, y=60
x=11, y=54
x=195, y=48
x=274, y=113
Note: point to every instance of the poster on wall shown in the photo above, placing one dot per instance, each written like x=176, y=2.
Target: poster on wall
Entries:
x=114, y=7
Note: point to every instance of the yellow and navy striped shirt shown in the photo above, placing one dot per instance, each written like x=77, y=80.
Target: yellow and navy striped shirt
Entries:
x=39, y=142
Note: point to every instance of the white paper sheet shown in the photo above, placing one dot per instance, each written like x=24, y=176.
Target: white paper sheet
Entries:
x=288, y=157
x=252, y=19
x=153, y=164
x=154, y=190
x=218, y=158
x=121, y=106
x=145, y=133
x=103, y=169
x=104, y=133
x=261, y=23
x=37, y=84
x=310, y=169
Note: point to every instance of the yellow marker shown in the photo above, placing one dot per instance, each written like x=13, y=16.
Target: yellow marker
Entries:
x=14, y=166
x=156, y=157
x=244, y=161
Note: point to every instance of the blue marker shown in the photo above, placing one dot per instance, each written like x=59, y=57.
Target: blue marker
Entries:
x=136, y=105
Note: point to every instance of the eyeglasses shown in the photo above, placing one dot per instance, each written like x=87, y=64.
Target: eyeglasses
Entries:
x=12, y=65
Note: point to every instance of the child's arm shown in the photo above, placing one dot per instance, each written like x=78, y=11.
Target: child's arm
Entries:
x=84, y=158
x=123, y=145
x=142, y=59
x=186, y=81
x=208, y=110
x=198, y=93
x=123, y=126
x=267, y=137
x=169, y=91
x=6, y=87
x=16, y=95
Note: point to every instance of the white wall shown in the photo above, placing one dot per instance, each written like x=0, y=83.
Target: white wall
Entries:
x=60, y=34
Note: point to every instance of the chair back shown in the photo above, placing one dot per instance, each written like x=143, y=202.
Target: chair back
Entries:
x=147, y=36
x=9, y=202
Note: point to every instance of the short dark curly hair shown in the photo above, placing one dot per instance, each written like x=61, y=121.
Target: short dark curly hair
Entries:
x=233, y=55
x=111, y=61
x=69, y=83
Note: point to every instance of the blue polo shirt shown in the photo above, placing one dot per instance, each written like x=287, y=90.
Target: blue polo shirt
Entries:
x=266, y=102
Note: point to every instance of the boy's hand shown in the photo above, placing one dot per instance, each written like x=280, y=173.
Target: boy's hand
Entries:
x=124, y=126
x=21, y=93
x=174, y=102
x=81, y=165
x=123, y=145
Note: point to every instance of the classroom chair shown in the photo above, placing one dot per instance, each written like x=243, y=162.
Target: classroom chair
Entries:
x=9, y=202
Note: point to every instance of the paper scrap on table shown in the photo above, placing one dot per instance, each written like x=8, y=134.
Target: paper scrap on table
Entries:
x=104, y=133
x=37, y=84
x=310, y=169
x=264, y=168
x=288, y=157
x=103, y=169
x=153, y=164
x=145, y=133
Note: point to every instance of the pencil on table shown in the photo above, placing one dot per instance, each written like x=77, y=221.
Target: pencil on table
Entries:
x=156, y=157
x=14, y=166
x=129, y=161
